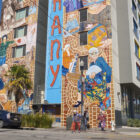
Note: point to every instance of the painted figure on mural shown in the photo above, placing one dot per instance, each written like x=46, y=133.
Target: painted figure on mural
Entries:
x=67, y=59
x=96, y=36
x=3, y=48
x=3, y=70
x=25, y=106
x=8, y=13
x=97, y=81
x=72, y=5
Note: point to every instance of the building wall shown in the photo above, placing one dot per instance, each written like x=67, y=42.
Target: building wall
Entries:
x=126, y=77
x=7, y=28
x=40, y=60
x=97, y=95
x=116, y=70
x=54, y=52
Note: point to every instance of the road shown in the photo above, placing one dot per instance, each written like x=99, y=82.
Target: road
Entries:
x=62, y=134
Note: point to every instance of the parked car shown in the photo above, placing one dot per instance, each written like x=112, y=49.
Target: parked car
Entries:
x=8, y=119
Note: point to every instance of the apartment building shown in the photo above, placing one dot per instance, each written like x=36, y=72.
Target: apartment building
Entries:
x=23, y=42
x=52, y=37
x=104, y=34
x=80, y=31
x=126, y=41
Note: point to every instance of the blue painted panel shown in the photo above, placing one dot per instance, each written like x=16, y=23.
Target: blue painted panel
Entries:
x=53, y=94
x=0, y=9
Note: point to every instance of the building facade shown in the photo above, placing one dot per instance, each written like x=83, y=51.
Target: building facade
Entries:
x=79, y=29
x=21, y=43
x=105, y=34
x=125, y=33
x=52, y=37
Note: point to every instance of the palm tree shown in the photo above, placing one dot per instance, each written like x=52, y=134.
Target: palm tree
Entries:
x=18, y=81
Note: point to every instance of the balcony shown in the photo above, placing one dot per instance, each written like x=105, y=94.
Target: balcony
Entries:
x=134, y=12
x=139, y=6
x=136, y=33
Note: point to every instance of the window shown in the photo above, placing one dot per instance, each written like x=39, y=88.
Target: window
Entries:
x=83, y=38
x=22, y=13
x=139, y=19
x=135, y=28
x=20, y=32
x=139, y=4
x=19, y=0
x=138, y=71
x=19, y=51
x=134, y=8
x=136, y=49
x=83, y=15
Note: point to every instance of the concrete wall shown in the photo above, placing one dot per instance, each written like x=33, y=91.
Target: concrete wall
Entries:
x=116, y=71
x=134, y=59
x=125, y=63
x=40, y=60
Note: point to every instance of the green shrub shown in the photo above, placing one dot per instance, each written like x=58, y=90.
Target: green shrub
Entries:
x=133, y=122
x=37, y=120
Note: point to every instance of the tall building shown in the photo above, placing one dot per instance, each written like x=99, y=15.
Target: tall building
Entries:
x=126, y=56
x=53, y=38
x=104, y=35
x=80, y=31
x=23, y=42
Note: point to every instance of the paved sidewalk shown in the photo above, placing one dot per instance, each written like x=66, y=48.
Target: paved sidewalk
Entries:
x=118, y=131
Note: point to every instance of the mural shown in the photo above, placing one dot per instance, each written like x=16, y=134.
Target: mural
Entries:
x=54, y=53
x=98, y=89
x=0, y=9
x=7, y=42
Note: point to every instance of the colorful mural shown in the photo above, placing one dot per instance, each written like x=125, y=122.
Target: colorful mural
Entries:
x=8, y=41
x=0, y=9
x=54, y=53
x=98, y=89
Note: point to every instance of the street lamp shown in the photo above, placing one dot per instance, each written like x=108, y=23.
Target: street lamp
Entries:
x=82, y=101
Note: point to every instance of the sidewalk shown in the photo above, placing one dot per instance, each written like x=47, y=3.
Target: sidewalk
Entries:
x=129, y=131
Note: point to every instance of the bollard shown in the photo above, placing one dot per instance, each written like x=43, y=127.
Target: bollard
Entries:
x=112, y=126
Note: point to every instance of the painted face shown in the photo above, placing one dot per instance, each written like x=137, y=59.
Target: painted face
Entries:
x=93, y=56
x=4, y=40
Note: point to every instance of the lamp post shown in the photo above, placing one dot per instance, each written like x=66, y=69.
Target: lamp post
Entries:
x=82, y=101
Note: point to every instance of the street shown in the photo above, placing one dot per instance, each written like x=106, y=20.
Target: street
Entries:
x=62, y=134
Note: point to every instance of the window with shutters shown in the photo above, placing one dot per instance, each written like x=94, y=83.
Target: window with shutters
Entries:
x=83, y=38
x=22, y=13
x=19, y=51
x=20, y=31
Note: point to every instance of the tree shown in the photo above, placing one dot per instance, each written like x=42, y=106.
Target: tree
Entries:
x=18, y=81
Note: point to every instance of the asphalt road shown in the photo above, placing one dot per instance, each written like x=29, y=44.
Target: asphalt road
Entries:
x=62, y=134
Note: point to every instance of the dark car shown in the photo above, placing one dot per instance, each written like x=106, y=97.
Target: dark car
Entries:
x=8, y=119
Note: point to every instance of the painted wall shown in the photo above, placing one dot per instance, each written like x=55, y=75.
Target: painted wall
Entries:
x=0, y=9
x=7, y=42
x=98, y=85
x=54, y=52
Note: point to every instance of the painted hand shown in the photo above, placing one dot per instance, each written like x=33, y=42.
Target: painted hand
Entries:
x=92, y=75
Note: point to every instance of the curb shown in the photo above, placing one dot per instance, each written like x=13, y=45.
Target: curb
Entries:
x=127, y=127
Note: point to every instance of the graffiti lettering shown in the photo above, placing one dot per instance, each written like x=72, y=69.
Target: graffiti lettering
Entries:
x=58, y=48
x=54, y=3
x=54, y=74
x=56, y=19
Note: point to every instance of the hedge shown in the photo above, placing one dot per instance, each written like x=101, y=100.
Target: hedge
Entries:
x=133, y=122
x=37, y=120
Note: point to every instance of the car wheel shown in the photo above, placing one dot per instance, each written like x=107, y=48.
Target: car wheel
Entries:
x=1, y=124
